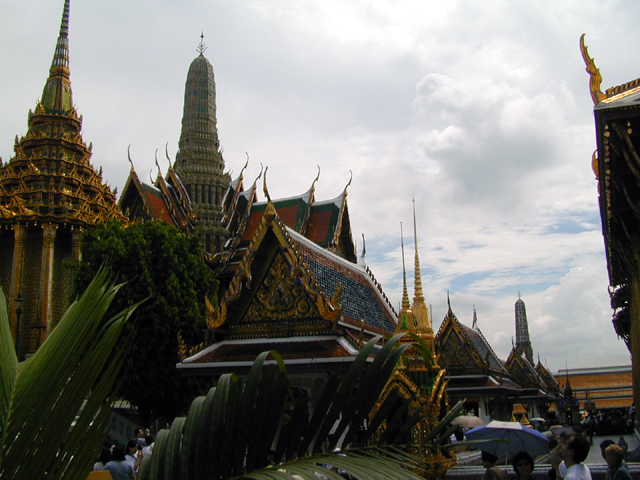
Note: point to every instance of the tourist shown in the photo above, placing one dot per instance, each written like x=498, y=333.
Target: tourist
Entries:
x=103, y=459
x=563, y=436
x=134, y=455
x=119, y=468
x=522, y=465
x=493, y=472
x=574, y=453
x=148, y=442
x=614, y=455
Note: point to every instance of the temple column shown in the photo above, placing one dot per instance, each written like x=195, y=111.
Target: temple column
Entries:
x=76, y=244
x=19, y=232
x=46, y=280
x=634, y=333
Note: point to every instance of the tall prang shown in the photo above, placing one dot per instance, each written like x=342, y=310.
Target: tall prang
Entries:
x=523, y=343
x=49, y=193
x=199, y=162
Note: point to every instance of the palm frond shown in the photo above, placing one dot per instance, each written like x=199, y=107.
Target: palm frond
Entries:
x=253, y=427
x=57, y=405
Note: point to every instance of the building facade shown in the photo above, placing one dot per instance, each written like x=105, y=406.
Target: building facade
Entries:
x=49, y=193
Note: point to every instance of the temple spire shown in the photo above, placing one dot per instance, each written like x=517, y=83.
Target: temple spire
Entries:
x=56, y=96
x=523, y=341
x=199, y=163
x=419, y=308
x=417, y=277
x=404, y=317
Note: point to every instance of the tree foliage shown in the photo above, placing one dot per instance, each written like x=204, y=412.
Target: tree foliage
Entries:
x=55, y=406
x=168, y=268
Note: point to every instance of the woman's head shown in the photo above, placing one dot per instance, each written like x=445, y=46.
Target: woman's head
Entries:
x=118, y=453
x=522, y=463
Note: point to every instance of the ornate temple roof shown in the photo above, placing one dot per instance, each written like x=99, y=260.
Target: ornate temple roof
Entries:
x=286, y=286
x=470, y=361
x=50, y=179
x=165, y=200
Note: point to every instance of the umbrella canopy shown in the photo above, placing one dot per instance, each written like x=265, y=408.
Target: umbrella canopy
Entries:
x=537, y=419
x=468, y=421
x=504, y=439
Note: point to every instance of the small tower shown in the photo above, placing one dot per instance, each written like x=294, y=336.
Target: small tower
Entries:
x=419, y=308
x=523, y=344
x=199, y=162
x=49, y=193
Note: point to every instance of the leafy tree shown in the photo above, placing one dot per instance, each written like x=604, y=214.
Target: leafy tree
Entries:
x=168, y=268
x=54, y=407
x=254, y=427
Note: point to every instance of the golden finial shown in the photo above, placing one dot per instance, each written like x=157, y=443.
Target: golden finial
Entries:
x=166, y=152
x=348, y=184
x=595, y=79
x=264, y=185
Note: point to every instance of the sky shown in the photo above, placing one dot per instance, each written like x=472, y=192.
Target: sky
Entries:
x=480, y=111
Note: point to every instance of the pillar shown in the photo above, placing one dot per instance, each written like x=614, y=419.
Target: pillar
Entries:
x=46, y=280
x=19, y=232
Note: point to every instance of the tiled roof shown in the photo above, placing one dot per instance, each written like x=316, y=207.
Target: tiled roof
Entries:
x=360, y=297
x=322, y=222
x=157, y=201
x=482, y=347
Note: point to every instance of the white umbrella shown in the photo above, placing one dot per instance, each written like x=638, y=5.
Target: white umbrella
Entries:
x=508, y=438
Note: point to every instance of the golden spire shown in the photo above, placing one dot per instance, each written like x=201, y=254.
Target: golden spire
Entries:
x=419, y=308
x=405, y=317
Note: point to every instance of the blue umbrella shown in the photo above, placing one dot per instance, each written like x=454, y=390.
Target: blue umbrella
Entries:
x=503, y=439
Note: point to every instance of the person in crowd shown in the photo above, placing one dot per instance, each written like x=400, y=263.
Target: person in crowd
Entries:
x=562, y=435
x=134, y=455
x=148, y=442
x=103, y=459
x=604, y=444
x=614, y=455
x=119, y=468
x=522, y=465
x=574, y=453
x=493, y=472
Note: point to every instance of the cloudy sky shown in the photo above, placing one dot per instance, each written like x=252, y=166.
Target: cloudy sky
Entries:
x=479, y=110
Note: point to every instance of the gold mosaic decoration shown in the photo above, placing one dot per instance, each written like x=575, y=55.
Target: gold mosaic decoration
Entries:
x=279, y=297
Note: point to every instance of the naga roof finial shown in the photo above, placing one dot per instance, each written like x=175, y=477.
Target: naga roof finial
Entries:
x=201, y=46
x=265, y=190
x=348, y=184
x=595, y=79
x=129, y=156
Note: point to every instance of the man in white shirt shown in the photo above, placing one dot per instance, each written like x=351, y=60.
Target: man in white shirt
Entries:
x=574, y=453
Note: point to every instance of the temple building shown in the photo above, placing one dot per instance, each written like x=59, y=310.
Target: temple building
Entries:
x=49, y=193
x=523, y=343
x=493, y=388
x=616, y=165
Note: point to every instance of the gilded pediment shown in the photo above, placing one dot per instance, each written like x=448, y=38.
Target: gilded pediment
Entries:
x=280, y=297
